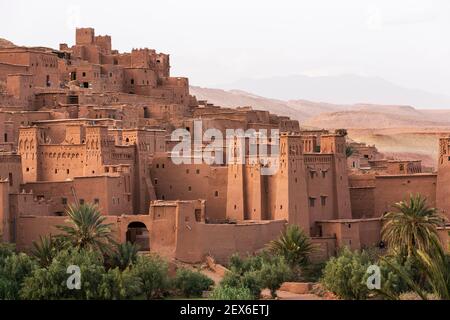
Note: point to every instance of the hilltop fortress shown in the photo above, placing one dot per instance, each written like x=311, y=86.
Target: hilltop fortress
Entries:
x=86, y=123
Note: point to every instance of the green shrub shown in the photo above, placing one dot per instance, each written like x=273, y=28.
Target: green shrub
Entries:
x=273, y=273
x=120, y=285
x=257, y=272
x=242, y=265
x=311, y=273
x=13, y=271
x=391, y=282
x=231, y=293
x=249, y=280
x=6, y=250
x=346, y=276
x=51, y=282
x=153, y=274
x=192, y=283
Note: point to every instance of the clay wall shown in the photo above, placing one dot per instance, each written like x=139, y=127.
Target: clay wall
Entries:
x=110, y=193
x=395, y=188
x=7, y=69
x=363, y=202
x=190, y=182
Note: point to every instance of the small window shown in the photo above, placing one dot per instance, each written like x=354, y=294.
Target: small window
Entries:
x=68, y=171
x=64, y=201
x=324, y=174
x=84, y=74
x=187, y=171
x=198, y=171
x=189, y=188
x=312, y=202
x=198, y=215
x=132, y=81
x=81, y=201
x=323, y=200
x=156, y=181
x=96, y=201
x=216, y=194
x=10, y=178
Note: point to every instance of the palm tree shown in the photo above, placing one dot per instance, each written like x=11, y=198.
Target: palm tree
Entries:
x=413, y=226
x=125, y=255
x=294, y=245
x=45, y=249
x=437, y=274
x=86, y=229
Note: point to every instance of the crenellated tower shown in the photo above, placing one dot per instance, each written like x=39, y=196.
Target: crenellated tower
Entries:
x=28, y=147
x=98, y=151
x=335, y=144
x=290, y=198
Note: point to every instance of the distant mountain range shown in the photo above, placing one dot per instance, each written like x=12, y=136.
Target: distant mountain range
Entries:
x=343, y=89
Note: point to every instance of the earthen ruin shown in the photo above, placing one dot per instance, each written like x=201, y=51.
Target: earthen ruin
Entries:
x=86, y=123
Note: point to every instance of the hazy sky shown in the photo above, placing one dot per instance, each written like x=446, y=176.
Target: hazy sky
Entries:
x=213, y=42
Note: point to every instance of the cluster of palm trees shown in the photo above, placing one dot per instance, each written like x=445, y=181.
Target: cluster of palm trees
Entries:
x=411, y=231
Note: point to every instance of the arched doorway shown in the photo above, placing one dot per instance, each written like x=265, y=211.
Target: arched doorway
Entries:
x=137, y=233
